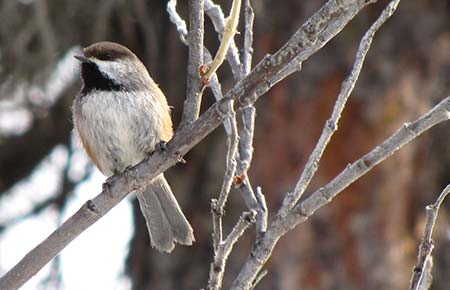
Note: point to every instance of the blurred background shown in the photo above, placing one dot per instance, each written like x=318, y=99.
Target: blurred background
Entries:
x=366, y=238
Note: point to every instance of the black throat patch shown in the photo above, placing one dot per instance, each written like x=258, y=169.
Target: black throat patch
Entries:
x=94, y=80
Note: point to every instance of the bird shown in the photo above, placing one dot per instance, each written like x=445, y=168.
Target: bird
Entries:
x=121, y=116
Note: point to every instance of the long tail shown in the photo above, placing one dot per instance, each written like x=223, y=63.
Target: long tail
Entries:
x=166, y=222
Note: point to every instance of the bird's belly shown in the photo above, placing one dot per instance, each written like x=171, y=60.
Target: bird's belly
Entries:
x=118, y=133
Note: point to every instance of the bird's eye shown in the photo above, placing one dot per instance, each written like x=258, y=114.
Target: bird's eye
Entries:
x=105, y=56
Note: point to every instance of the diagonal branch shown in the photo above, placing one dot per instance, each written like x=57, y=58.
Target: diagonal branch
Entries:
x=285, y=219
x=331, y=125
x=329, y=20
x=317, y=31
x=300, y=213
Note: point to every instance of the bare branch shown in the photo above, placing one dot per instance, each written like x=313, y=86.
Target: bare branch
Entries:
x=419, y=279
x=246, y=219
x=332, y=124
x=191, y=108
x=217, y=206
x=216, y=15
x=181, y=28
x=314, y=34
x=286, y=220
x=404, y=135
x=222, y=249
x=255, y=201
x=182, y=31
x=180, y=24
x=326, y=23
x=300, y=213
x=217, y=268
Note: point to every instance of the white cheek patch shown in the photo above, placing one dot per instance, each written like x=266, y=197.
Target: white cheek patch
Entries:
x=114, y=70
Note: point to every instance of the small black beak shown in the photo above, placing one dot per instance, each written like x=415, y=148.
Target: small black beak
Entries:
x=82, y=58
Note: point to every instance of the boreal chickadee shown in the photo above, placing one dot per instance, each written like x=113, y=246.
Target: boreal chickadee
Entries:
x=120, y=116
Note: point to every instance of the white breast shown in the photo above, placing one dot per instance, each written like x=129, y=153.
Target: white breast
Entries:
x=120, y=128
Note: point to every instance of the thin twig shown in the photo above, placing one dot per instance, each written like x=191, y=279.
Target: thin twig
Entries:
x=218, y=205
x=217, y=17
x=232, y=142
x=255, y=201
x=227, y=38
x=247, y=54
x=263, y=213
x=258, y=278
x=247, y=135
x=249, y=111
x=180, y=24
x=217, y=268
x=424, y=257
x=246, y=219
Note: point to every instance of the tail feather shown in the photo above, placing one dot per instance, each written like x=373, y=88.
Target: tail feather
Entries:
x=165, y=220
x=158, y=227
